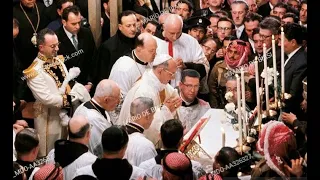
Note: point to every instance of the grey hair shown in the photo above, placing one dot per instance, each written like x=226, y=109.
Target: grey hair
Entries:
x=170, y=18
x=103, y=89
x=164, y=64
x=141, y=105
x=231, y=78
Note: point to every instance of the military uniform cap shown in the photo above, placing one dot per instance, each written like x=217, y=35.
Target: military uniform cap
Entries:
x=198, y=21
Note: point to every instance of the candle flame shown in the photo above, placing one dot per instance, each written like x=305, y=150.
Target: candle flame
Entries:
x=222, y=130
x=281, y=29
x=264, y=45
x=272, y=37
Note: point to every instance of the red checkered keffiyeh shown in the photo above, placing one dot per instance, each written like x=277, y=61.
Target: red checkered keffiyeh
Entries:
x=47, y=170
x=242, y=49
x=178, y=164
x=275, y=142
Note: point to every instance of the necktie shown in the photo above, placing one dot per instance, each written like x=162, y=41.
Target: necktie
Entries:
x=74, y=41
x=170, y=49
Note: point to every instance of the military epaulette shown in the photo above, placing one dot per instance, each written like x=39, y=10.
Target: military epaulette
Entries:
x=219, y=62
x=30, y=72
x=61, y=58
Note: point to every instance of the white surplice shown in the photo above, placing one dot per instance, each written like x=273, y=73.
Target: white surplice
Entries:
x=125, y=72
x=139, y=149
x=69, y=171
x=155, y=170
x=190, y=115
x=149, y=86
x=99, y=124
x=87, y=170
x=188, y=49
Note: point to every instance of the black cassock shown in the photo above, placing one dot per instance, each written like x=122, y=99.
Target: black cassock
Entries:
x=27, y=51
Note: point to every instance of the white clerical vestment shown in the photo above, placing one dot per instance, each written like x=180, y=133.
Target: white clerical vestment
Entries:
x=139, y=149
x=125, y=72
x=150, y=86
x=190, y=113
x=99, y=124
x=69, y=171
x=155, y=170
x=188, y=49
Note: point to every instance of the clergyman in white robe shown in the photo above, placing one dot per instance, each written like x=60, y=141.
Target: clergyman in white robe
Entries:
x=149, y=86
x=188, y=49
x=99, y=124
x=69, y=171
x=139, y=148
x=126, y=71
x=190, y=113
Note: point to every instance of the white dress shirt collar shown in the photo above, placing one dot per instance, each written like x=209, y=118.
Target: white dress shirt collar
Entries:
x=271, y=6
x=239, y=31
x=291, y=54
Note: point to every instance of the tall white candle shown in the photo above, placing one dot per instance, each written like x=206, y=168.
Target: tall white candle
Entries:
x=266, y=76
x=275, y=79
x=282, y=61
x=223, y=137
x=243, y=97
x=239, y=111
x=257, y=91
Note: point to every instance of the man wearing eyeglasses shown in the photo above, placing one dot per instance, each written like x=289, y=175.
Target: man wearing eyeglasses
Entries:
x=268, y=27
x=44, y=78
x=192, y=108
x=155, y=85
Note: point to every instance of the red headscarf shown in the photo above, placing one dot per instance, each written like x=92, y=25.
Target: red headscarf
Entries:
x=244, y=51
x=275, y=142
x=52, y=170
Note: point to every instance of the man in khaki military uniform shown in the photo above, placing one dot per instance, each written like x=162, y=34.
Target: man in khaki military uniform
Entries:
x=217, y=85
x=44, y=77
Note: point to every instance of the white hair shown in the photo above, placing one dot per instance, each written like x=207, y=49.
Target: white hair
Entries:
x=104, y=88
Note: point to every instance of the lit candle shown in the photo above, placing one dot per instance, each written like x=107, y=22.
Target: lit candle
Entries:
x=239, y=112
x=282, y=61
x=243, y=97
x=223, y=137
x=275, y=71
x=266, y=77
x=257, y=91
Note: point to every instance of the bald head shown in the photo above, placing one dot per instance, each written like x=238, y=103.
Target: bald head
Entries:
x=105, y=88
x=163, y=17
x=172, y=27
x=146, y=47
x=76, y=123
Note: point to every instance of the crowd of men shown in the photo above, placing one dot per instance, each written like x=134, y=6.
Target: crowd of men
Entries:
x=120, y=110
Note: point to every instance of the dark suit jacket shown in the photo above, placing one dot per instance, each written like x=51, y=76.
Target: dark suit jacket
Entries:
x=81, y=58
x=264, y=10
x=295, y=71
x=108, y=53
